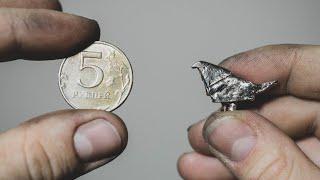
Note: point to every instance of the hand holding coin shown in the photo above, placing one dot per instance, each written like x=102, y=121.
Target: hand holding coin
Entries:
x=69, y=143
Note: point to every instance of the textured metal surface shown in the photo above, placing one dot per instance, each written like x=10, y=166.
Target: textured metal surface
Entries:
x=224, y=87
x=100, y=77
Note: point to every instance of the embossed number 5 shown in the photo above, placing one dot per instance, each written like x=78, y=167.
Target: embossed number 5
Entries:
x=98, y=71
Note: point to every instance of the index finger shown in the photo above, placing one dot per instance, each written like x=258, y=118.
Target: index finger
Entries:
x=43, y=34
x=295, y=67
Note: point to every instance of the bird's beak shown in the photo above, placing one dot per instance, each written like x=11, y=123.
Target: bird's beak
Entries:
x=196, y=65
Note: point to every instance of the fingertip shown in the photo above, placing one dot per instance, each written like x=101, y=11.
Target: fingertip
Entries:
x=55, y=5
x=101, y=135
x=97, y=134
x=38, y=34
x=188, y=165
x=88, y=33
x=239, y=114
x=65, y=143
x=196, y=139
x=96, y=140
x=193, y=166
x=266, y=63
x=120, y=126
x=84, y=33
x=244, y=139
x=182, y=165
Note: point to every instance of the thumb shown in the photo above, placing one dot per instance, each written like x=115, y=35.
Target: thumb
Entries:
x=61, y=145
x=252, y=148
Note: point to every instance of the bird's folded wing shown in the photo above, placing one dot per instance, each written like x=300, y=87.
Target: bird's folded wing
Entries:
x=216, y=75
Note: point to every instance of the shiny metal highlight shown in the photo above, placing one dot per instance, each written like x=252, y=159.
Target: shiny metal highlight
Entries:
x=224, y=87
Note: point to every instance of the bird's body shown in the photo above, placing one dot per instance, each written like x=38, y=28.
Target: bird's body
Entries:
x=224, y=87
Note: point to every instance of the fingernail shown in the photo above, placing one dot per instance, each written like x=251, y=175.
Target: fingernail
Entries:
x=96, y=140
x=231, y=137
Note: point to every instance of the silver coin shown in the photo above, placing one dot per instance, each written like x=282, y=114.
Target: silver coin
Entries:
x=100, y=77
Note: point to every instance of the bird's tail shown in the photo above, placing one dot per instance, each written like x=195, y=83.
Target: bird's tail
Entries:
x=264, y=86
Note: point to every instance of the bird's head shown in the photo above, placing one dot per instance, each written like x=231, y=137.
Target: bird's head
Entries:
x=210, y=73
x=199, y=64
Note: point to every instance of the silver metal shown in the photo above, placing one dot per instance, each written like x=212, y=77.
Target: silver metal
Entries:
x=100, y=77
x=229, y=107
x=224, y=87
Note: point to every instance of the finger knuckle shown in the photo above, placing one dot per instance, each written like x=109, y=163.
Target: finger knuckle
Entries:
x=274, y=168
x=31, y=22
x=36, y=21
x=8, y=31
x=37, y=160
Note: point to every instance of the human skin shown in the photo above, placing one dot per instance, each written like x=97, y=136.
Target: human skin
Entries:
x=63, y=144
x=275, y=137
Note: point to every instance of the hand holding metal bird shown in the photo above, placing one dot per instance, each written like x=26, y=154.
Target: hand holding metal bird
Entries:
x=224, y=87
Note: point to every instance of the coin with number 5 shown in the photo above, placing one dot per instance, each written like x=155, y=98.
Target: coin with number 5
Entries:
x=100, y=77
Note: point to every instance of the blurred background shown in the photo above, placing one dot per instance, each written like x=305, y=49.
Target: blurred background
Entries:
x=162, y=40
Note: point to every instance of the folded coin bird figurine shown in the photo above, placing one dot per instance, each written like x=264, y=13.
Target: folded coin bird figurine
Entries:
x=224, y=87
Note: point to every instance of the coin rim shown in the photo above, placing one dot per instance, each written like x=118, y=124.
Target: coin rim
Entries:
x=104, y=43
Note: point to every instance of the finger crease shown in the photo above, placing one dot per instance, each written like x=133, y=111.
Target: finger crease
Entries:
x=296, y=58
x=26, y=162
x=15, y=42
x=44, y=152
